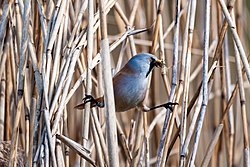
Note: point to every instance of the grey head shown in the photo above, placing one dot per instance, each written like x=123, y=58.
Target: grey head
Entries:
x=144, y=63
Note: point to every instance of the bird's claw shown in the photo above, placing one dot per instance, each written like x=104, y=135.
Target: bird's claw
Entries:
x=170, y=105
x=90, y=98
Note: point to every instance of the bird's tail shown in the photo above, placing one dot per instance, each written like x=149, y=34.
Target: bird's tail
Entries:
x=98, y=102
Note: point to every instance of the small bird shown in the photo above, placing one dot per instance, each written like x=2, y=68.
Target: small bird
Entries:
x=130, y=85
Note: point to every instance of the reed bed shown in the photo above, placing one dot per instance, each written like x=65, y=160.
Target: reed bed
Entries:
x=52, y=53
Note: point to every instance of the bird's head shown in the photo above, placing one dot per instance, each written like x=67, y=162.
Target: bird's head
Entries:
x=145, y=62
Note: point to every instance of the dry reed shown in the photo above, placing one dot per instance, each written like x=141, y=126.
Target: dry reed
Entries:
x=52, y=53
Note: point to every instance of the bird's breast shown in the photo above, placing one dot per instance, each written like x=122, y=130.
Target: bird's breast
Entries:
x=129, y=91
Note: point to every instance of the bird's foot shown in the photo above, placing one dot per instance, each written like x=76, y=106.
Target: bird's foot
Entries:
x=91, y=99
x=88, y=98
x=168, y=105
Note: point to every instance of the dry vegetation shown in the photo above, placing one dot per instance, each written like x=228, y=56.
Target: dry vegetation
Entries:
x=48, y=49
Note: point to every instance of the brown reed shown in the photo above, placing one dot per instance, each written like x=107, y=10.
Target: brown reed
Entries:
x=52, y=53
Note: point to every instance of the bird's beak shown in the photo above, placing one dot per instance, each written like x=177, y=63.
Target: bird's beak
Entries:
x=158, y=63
x=155, y=63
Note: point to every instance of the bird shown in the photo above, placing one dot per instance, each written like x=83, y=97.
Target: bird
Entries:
x=130, y=85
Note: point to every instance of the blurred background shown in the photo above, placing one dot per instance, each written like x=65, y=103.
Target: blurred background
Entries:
x=43, y=58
